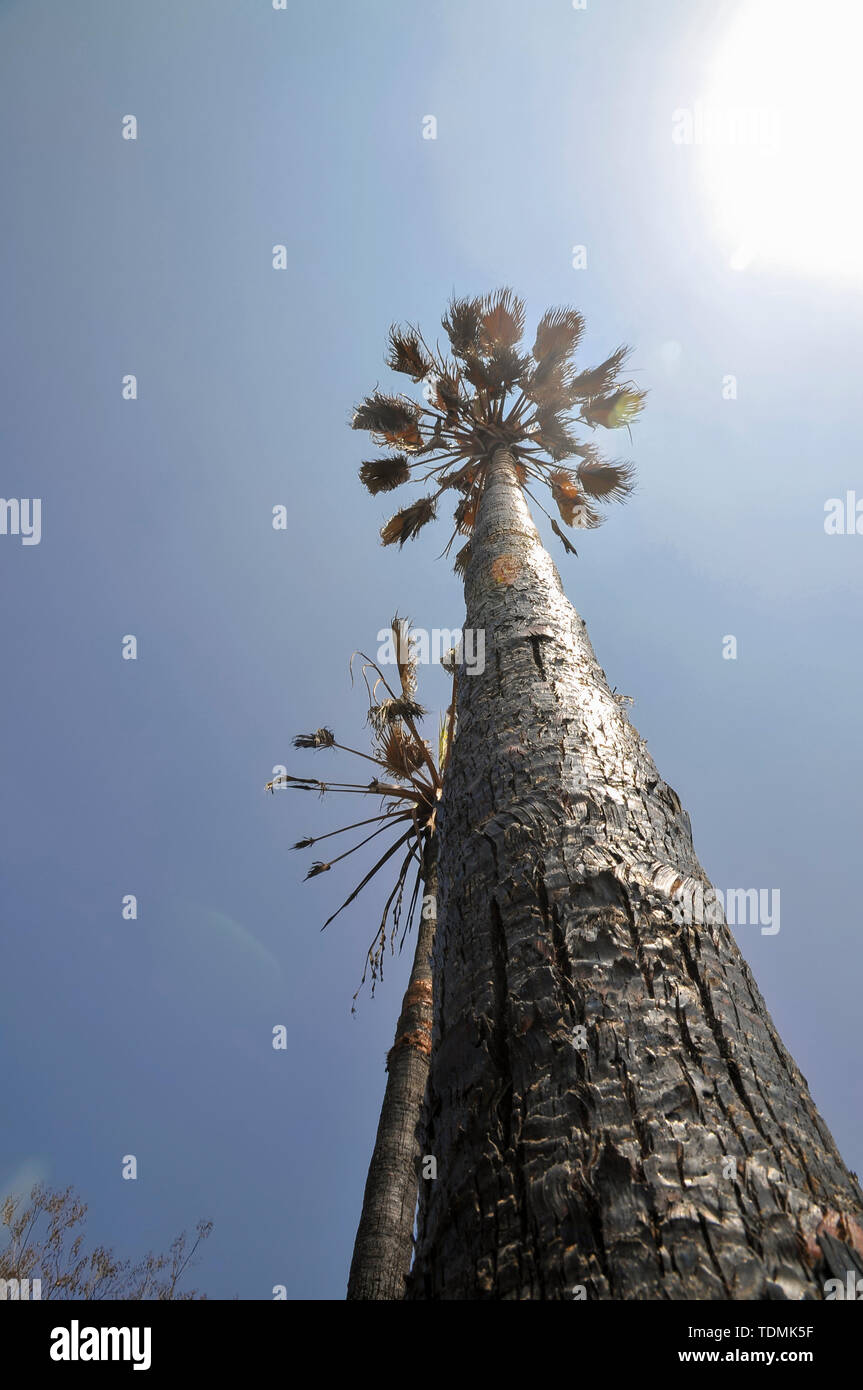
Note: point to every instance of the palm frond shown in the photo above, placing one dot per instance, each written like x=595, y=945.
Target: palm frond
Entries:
x=501, y=321
x=462, y=324
x=596, y=381
x=407, y=354
x=554, y=437
x=391, y=419
x=401, y=753
x=321, y=738
x=615, y=411
x=408, y=522
x=462, y=560
x=505, y=367
x=558, y=334
x=390, y=711
x=610, y=482
x=384, y=474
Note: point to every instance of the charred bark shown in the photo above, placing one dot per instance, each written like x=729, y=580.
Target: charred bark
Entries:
x=677, y=1153
x=384, y=1240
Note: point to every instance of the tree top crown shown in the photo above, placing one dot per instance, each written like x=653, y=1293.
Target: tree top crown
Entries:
x=489, y=393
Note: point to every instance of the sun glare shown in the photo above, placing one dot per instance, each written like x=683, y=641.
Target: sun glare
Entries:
x=781, y=125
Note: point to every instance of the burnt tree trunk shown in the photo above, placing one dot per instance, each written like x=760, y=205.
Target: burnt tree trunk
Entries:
x=612, y=1111
x=384, y=1241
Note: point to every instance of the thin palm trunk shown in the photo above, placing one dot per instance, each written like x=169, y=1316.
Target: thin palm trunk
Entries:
x=384, y=1240
x=612, y=1111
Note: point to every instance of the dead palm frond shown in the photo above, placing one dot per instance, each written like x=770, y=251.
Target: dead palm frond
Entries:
x=407, y=787
x=382, y=475
x=490, y=394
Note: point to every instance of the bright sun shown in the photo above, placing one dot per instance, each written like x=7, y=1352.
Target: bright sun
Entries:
x=781, y=125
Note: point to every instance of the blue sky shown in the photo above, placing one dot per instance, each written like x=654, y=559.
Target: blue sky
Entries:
x=154, y=257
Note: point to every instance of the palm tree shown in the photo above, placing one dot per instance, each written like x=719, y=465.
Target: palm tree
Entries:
x=612, y=1111
x=409, y=796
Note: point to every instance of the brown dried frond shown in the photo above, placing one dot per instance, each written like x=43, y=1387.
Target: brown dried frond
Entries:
x=318, y=868
x=447, y=396
x=407, y=354
x=547, y=386
x=613, y=482
x=504, y=368
x=476, y=372
x=462, y=324
x=408, y=522
x=501, y=321
x=564, y=483
x=597, y=380
x=382, y=475
x=405, y=654
x=321, y=738
x=393, y=419
x=462, y=560
x=586, y=517
x=554, y=436
x=401, y=753
x=303, y=844
x=465, y=514
x=390, y=711
x=567, y=502
x=558, y=334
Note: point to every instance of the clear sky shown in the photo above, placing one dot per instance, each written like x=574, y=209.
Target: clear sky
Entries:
x=304, y=127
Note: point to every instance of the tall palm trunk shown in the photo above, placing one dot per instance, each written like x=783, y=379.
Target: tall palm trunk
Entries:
x=609, y=1103
x=384, y=1240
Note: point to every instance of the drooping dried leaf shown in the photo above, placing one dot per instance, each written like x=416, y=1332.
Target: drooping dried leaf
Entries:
x=566, y=504
x=382, y=475
x=318, y=868
x=407, y=354
x=558, y=334
x=566, y=541
x=586, y=517
x=501, y=320
x=613, y=482
x=564, y=482
x=408, y=522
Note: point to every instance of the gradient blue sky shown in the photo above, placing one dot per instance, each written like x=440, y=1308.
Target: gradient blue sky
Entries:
x=304, y=127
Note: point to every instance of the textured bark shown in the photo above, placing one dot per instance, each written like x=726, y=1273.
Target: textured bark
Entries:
x=384, y=1240
x=560, y=849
